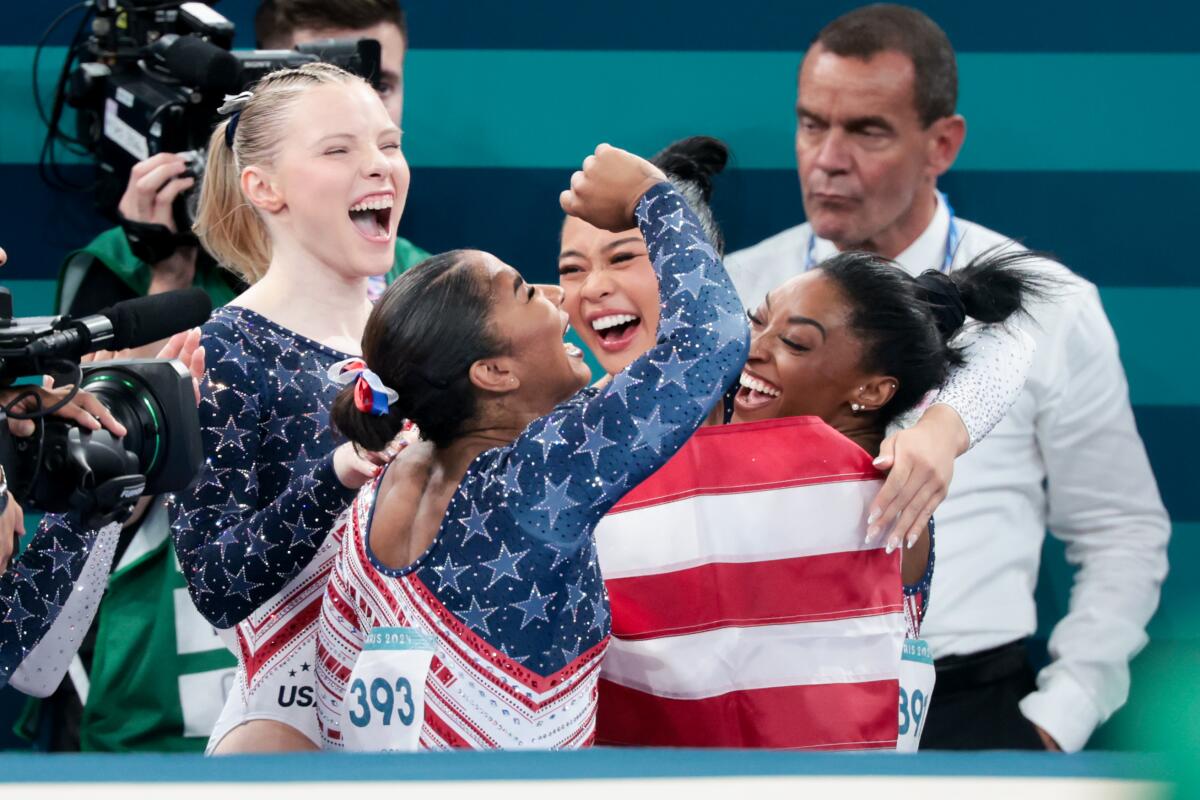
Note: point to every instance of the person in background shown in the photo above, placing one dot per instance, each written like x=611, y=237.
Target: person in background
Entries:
x=147, y=619
x=876, y=126
x=159, y=257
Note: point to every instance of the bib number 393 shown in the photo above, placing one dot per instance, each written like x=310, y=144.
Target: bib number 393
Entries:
x=385, y=703
x=916, y=692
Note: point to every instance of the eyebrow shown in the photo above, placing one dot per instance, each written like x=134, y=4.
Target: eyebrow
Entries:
x=619, y=242
x=854, y=125
x=798, y=320
x=801, y=111
x=862, y=123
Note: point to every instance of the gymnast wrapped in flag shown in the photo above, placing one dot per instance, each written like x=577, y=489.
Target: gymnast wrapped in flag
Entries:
x=466, y=607
x=734, y=622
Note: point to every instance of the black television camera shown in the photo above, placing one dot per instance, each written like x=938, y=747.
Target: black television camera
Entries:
x=94, y=476
x=150, y=77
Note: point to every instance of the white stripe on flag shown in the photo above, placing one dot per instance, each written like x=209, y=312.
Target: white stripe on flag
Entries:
x=828, y=518
x=809, y=653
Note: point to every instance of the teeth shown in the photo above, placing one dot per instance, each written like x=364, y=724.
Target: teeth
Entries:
x=373, y=204
x=751, y=382
x=572, y=350
x=612, y=321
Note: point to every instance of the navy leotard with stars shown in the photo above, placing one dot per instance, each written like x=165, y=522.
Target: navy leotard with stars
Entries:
x=267, y=495
x=34, y=589
x=514, y=558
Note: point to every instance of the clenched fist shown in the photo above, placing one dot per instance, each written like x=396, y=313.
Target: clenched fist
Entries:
x=607, y=190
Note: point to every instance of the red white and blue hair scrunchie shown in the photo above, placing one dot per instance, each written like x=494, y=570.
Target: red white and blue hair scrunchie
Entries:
x=370, y=395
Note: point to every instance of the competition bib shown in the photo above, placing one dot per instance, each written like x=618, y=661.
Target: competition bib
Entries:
x=916, y=691
x=385, y=701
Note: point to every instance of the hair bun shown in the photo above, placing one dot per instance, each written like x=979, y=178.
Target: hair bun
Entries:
x=696, y=159
x=944, y=300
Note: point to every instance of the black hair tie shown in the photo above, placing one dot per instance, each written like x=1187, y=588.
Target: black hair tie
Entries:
x=944, y=299
x=231, y=128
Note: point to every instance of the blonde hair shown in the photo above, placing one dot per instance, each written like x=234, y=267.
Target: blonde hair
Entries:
x=228, y=226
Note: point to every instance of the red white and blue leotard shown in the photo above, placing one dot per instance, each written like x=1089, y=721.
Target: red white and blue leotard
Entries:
x=510, y=589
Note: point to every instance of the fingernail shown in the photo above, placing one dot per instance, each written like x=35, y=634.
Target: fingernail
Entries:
x=891, y=546
x=872, y=532
x=874, y=516
x=912, y=539
x=878, y=460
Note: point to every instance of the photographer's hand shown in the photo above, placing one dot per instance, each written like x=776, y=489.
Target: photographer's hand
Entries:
x=184, y=346
x=12, y=528
x=84, y=409
x=153, y=186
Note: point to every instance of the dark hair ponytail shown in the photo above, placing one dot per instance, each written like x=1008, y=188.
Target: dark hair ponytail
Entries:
x=421, y=338
x=906, y=324
x=690, y=165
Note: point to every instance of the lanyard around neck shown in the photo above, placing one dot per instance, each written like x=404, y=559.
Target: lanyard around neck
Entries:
x=952, y=239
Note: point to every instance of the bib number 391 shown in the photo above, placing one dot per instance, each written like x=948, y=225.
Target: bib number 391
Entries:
x=916, y=692
x=385, y=704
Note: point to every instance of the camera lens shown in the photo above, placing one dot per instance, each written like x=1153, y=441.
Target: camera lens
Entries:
x=135, y=407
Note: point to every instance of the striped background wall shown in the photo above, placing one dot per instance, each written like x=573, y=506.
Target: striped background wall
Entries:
x=1082, y=120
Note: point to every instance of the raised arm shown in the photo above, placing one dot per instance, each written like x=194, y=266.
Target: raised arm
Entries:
x=571, y=466
x=976, y=396
x=235, y=550
x=984, y=387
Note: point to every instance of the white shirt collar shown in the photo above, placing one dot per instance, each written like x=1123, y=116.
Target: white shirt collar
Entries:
x=928, y=251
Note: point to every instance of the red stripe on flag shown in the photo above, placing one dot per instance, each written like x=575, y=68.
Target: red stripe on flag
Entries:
x=794, y=451
x=710, y=596
x=839, y=716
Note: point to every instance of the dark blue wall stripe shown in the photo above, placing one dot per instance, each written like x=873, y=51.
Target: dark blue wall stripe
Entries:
x=1117, y=229
x=1170, y=435
x=1024, y=26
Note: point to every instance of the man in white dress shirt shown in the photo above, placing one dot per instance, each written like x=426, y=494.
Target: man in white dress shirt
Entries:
x=876, y=126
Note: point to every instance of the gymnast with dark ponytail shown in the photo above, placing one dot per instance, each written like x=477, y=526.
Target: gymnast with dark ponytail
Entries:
x=466, y=597
x=840, y=357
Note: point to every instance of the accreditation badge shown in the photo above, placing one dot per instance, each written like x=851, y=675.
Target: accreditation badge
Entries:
x=916, y=691
x=385, y=701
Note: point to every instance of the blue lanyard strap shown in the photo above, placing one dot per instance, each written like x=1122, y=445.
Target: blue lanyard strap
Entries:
x=952, y=240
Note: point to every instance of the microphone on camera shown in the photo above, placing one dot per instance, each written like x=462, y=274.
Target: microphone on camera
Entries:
x=131, y=323
x=197, y=63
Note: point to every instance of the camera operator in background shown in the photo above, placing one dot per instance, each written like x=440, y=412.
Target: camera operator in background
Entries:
x=148, y=253
x=152, y=674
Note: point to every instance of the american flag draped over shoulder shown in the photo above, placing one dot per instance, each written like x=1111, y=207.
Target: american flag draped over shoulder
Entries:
x=746, y=609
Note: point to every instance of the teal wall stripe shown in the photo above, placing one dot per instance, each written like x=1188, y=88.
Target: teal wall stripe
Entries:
x=522, y=108
x=598, y=763
x=1157, y=336
x=1153, y=326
